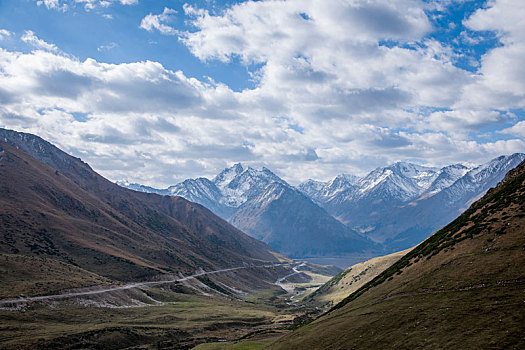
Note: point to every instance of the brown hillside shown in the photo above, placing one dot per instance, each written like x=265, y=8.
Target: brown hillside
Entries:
x=68, y=212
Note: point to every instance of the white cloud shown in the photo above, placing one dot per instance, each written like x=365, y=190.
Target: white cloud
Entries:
x=53, y=4
x=254, y=30
x=517, y=129
x=30, y=38
x=323, y=60
x=4, y=33
x=63, y=5
x=500, y=82
x=144, y=122
x=329, y=97
x=109, y=46
x=151, y=22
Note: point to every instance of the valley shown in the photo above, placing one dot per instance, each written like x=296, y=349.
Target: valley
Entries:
x=461, y=287
x=85, y=263
x=161, y=314
x=262, y=175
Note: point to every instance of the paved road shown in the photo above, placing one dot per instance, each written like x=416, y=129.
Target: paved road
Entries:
x=125, y=286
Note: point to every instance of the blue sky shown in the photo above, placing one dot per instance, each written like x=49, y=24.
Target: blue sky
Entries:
x=119, y=38
x=158, y=91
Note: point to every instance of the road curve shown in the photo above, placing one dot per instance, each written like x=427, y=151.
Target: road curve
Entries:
x=124, y=287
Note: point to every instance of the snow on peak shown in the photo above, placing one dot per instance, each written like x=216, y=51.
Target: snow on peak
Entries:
x=345, y=179
x=228, y=174
x=237, y=184
x=402, y=181
x=446, y=177
x=495, y=165
x=373, y=179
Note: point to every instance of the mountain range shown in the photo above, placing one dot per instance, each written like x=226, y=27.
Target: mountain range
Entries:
x=402, y=204
x=390, y=209
x=263, y=205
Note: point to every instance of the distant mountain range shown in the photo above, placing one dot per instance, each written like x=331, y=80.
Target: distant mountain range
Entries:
x=402, y=204
x=263, y=205
x=390, y=209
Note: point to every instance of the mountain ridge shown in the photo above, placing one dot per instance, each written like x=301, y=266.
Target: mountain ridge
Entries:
x=59, y=207
x=248, y=198
x=425, y=198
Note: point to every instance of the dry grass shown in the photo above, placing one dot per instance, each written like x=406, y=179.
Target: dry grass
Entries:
x=32, y=275
x=184, y=320
x=350, y=280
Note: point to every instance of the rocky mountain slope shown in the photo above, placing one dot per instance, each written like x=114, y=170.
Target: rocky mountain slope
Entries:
x=292, y=224
x=461, y=288
x=55, y=206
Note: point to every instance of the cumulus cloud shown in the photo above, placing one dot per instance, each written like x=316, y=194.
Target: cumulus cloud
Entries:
x=517, y=129
x=151, y=22
x=64, y=5
x=254, y=30
x=4, y=33
x=30, y=38
x=340, y=86
x=500, y=82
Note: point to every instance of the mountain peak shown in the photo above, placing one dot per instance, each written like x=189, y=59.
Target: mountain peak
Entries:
x=266, y=170
x=228, y=174
x=349, y=178
x=238, y=168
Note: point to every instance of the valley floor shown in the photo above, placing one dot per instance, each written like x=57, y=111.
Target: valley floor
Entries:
x=157, y=314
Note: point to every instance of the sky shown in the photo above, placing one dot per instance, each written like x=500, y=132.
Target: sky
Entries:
x=154, y=92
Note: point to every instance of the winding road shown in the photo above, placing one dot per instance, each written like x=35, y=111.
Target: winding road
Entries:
x=295, y=272
x=133, y=285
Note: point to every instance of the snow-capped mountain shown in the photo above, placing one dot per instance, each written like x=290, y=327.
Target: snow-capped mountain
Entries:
x=323, y=192
x=141, y=188
x=294, y=225
x=478, y=180
x=228, y=190
x=202, y=191
x=445, y=178
x=266, y=207
x=238, y=184
x=400, y=181
x=402, y=204
x=313, y=189
x=398, y=205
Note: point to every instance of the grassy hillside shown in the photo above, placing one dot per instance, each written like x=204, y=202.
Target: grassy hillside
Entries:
x=33, y=275
x=461, y=288
x=350, y=280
